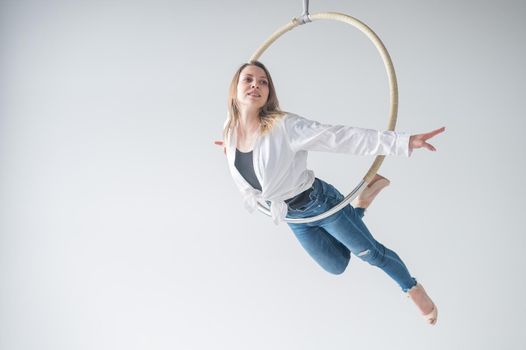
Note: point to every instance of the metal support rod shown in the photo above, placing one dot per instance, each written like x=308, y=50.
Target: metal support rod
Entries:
x=304, y=18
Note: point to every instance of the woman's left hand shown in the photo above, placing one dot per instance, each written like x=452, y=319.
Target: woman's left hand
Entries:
x=419, y=140
x=221, y=144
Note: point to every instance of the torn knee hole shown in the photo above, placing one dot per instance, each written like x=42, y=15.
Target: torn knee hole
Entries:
x=365, y=252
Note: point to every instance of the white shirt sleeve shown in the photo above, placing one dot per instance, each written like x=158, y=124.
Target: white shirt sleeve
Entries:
x=308, y=135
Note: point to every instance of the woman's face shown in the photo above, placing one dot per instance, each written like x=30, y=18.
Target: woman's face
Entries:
x=252, y=87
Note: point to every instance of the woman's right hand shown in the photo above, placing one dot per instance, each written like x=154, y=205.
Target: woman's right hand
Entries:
x=221, y=144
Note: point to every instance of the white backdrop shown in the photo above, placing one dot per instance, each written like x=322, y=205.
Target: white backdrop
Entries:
x=120, y=227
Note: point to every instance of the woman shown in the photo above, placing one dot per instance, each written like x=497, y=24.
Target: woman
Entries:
x=267, y=152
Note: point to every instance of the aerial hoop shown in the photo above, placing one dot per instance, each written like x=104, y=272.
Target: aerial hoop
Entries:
x=393, y=89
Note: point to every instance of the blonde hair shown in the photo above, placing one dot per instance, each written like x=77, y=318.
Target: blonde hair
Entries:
x=268, y=114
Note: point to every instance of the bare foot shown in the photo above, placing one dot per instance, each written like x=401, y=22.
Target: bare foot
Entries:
x=424, y=303
x=366, y=197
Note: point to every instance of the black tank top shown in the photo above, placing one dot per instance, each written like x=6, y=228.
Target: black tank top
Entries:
x=245, y=166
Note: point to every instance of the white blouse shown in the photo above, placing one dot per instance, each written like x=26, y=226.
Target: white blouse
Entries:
x=280, y=157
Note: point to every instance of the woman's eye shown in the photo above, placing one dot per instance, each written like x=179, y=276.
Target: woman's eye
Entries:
x=247, y=79
x=263, y=82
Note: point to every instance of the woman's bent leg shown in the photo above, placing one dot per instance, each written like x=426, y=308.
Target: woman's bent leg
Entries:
x=348, y=228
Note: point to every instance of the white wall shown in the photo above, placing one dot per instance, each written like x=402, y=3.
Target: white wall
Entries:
x=120, y=227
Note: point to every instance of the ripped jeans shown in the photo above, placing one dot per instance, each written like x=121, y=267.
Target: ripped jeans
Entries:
x=331, y=240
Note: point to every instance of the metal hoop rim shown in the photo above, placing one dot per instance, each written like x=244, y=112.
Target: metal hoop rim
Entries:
x=393, y=89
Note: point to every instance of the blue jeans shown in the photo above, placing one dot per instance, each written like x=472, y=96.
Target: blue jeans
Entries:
x=331, y=240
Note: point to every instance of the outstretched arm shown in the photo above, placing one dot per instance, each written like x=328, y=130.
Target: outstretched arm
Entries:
x=309, y=135
x=420, y=140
